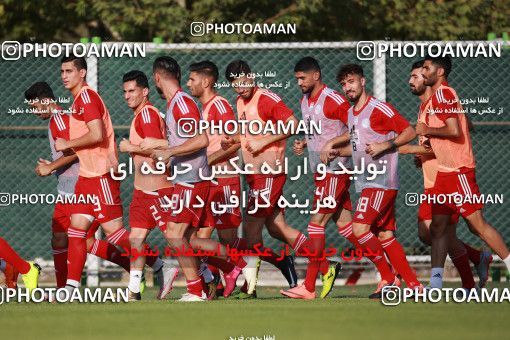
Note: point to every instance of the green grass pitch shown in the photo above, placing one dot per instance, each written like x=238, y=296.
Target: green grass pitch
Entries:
x=346, y=314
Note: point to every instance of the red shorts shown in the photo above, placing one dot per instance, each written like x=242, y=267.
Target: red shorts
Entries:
x=61, y=220
x=108, y=206
x=221, y=191
x=264, y=189
x=376, y=207
x=336, y=186
x=150, y=210
x=456, y=183
x=188, y=204
x=425, y=211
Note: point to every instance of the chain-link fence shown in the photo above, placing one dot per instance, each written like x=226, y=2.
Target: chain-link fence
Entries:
x=23, y=136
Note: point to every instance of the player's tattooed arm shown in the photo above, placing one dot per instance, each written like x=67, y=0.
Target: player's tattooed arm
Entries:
x=46, y=168
x=407, y=135
x=450, y=129
x=255, y=146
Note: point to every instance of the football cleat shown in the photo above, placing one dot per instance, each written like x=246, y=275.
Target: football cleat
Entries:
x=187, y=297
x=328, y=280
x=31, y=279
x=378, y=292
x=299, y=292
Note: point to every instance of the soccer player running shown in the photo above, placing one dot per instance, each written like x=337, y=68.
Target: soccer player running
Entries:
x=446, y=127
x=323, y=105
x=147, y=209
x=92, y=139
x=224, y=187
x=66, y=168
x=186, y=149
x=460, y=253
x=256, y=104
x=376, y=130
x=29, y=270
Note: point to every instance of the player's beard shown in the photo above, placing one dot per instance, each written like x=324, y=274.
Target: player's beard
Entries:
x=355, y=98
x=160, y=92
x=429, y=81
x=417, y=91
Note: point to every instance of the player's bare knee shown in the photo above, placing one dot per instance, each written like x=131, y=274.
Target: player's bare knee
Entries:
x=359, y=229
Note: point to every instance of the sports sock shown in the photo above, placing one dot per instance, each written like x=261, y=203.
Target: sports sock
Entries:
x=316, y=234
x=398, y=260
x=473, y=254
x=195, y=287
x=135, y=278
x=436, y=277
x=76, y=256
x=60, y=264
x=9, y=255
x=461, y=262
x=109, y=252
x=369, y=243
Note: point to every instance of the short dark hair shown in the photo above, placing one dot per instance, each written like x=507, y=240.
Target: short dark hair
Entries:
x=307, y=64
x=349, y=69
x=207, y=68
x=444, y=62
x=79, y=62
x=138, y=76
x=168, y=66
x=417, y=64
x=39, y=90
x=236, y=67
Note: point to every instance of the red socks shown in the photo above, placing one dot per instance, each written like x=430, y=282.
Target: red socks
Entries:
x=9, y=255
x=398, y=260
x=473, y=254
x=60, y=263
x=195, y=287
x=77, y=254
x=346, y=232
x=466, y=275
x=369, y=243
x=221, y=264
x=109, y=252
x=317, y=238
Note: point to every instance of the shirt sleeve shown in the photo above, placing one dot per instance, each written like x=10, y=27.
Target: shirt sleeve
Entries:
x=336, y=109
x=187, y=115
x=271, y=107
x=149, y=124
x=53, y=129
x=221, y=111
x=444, y=104
x=91, y=105
x=385, y=118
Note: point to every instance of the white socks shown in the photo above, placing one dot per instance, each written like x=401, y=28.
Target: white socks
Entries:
x=507, y=262
x=135, y=278
x=436, y=278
